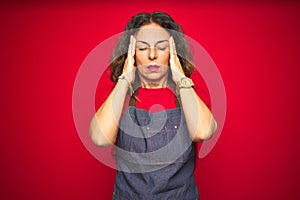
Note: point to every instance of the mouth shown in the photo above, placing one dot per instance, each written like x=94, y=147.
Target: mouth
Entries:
x=153, y=68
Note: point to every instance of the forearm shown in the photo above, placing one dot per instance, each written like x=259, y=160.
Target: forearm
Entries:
x=200, y=121
x=105, y=123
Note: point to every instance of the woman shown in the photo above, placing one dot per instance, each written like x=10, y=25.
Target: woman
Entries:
x=166, y=114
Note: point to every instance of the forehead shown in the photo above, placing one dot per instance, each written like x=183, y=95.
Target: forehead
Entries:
x=151, y=33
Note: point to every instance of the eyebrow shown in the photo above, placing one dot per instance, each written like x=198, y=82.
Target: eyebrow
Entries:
x=158, y=42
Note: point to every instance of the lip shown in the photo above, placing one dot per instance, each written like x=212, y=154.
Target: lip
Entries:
x=153, y=68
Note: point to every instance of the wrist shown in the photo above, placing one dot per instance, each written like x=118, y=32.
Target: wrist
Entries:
x=123, y=78
x=184, y=83
x=178, y=78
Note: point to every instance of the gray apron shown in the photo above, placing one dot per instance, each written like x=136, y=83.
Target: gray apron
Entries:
x=155, y=157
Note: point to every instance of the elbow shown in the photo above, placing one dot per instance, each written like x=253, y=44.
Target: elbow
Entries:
x=203, y=134
x=97, y=141
x=97, y=136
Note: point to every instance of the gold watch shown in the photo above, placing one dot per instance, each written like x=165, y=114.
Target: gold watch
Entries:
x=185, y=82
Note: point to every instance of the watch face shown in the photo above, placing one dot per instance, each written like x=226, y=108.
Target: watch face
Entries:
x=185, y=82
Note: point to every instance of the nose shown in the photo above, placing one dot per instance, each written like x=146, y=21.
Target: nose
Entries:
x=152, y=53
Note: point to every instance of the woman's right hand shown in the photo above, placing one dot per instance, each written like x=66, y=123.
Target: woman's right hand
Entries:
x=129, y=68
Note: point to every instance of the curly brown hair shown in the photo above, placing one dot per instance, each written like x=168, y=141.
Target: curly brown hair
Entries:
x=119, y=54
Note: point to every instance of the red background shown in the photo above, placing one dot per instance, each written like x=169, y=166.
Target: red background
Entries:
x=255, y=46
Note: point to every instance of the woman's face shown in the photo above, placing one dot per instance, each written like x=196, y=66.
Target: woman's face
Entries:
x=152, y=54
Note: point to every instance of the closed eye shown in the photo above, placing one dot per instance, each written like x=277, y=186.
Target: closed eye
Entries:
x=161, y=48
x=143, y=49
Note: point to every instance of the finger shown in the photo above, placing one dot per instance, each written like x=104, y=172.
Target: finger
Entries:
x=173, y=46
x=174, y=60
x=133, y=45
x=132, y=51
x=129, y=48
x=173, y=56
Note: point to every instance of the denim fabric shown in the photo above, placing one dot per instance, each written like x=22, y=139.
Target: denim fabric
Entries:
x=155, y=157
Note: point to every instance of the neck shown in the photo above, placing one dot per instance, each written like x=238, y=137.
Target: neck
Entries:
x=154, y=85
x=162, y=82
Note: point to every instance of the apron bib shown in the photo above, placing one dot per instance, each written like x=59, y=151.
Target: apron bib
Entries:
x=155, y=157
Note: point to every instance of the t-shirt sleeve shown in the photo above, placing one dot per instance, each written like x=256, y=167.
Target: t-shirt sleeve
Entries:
x=200, y=88
x=104, y=88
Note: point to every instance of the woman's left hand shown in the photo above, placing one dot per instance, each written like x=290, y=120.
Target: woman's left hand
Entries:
x=176, y=68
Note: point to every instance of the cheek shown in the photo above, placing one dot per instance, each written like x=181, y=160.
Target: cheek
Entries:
x=164, y=58
x=140, y=58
